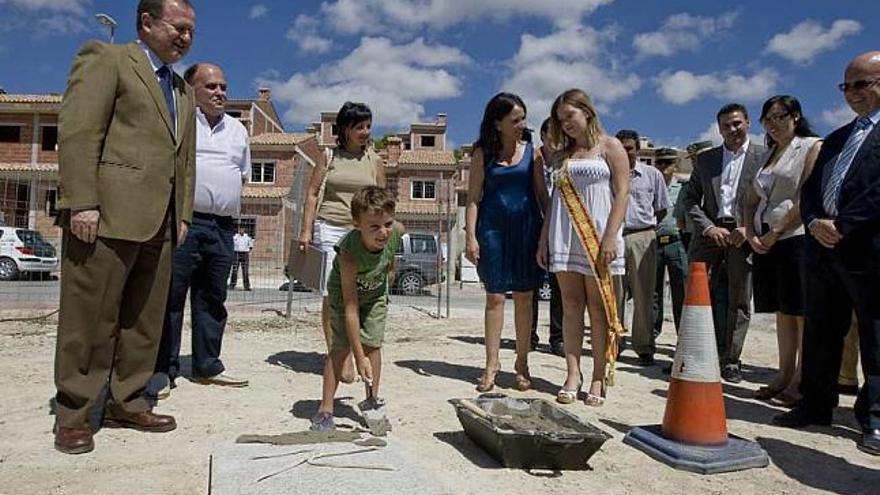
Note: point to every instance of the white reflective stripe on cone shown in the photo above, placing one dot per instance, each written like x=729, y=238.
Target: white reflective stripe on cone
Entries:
x=696, y=357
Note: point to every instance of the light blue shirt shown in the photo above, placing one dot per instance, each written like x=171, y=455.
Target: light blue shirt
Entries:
x=647, y=195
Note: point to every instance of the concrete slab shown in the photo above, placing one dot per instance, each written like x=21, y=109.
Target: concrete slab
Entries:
x=235, y=471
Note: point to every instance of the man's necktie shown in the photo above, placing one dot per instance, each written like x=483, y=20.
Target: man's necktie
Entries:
x=164, y=74
x=831, y=195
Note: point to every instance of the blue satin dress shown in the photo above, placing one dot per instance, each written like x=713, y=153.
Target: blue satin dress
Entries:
x=508, y=227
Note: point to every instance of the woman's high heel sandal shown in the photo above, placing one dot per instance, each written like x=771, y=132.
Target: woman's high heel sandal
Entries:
x=487, y=381
x=565, y=396
x=523, y=380
x=594, y=400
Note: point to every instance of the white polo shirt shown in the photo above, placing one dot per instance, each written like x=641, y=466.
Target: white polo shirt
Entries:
x=223, y=161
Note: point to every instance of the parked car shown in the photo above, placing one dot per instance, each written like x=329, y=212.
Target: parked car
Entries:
x=25, y=251
x=416, y=263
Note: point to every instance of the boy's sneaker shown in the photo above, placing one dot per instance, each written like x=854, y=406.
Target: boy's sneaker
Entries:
x=322, y=421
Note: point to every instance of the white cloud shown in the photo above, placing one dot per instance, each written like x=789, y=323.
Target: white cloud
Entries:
x=809, y=38
x=69, y=6
x=258, y=11
x=304, y=33
x=42, y=19
x=393, y=79
x=572, y=57
x=838, y=116
x=682, y=32
x=682, y=87
x=388, y=16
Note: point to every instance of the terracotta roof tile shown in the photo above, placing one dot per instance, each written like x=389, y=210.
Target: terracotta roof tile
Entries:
x=426, y=157
x=43, y=98
x=280, y=138
x=262, y=192
x=420, y=208
x=27, y=167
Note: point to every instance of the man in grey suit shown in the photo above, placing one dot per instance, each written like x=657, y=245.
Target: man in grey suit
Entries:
x=713, y=200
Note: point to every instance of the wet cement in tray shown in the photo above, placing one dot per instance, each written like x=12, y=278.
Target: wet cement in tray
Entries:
x=531, y=421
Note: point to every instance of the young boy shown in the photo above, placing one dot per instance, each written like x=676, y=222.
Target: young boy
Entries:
x=358, y=295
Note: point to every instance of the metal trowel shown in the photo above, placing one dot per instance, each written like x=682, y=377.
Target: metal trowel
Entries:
x=373, y=411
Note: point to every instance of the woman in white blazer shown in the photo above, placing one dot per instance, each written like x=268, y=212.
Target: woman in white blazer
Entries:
x=776, y=234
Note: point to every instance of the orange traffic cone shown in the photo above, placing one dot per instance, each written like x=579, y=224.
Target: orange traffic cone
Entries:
x=695, y=402
x=694, y=435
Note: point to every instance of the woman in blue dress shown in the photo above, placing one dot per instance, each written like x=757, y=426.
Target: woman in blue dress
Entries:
x=506, y=195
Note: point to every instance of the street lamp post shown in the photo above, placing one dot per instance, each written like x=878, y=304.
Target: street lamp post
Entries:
x=108, y=21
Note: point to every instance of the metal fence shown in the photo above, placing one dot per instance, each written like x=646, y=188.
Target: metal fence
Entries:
x=30, y=247
x=29, y=241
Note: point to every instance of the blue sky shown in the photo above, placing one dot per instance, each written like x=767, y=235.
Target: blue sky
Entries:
x=660, y=67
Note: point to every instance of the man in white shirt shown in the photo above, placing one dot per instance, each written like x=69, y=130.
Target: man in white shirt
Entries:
x=713, y=200
x=201, y=264
x=243, y=244
x=648, y=202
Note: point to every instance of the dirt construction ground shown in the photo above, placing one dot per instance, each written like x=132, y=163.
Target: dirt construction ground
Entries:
x=426, y=362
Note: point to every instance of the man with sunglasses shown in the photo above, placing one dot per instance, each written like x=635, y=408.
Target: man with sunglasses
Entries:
x=840, y=205
x=126, y=156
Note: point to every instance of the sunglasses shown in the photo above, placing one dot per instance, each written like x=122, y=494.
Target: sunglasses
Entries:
x=856, y=85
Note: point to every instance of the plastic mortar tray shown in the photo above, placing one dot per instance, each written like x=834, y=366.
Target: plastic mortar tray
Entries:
x=529, y=433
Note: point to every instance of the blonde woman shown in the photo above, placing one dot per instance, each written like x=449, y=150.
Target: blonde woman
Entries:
x=353, y=166
x=596, y=169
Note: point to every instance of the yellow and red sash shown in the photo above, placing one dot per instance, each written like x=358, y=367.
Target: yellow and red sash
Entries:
x=586, y=232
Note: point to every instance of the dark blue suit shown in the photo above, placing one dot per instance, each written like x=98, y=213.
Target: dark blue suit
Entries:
x=844, y=278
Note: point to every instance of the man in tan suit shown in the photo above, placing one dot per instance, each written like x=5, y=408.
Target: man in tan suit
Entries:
x=126, y=165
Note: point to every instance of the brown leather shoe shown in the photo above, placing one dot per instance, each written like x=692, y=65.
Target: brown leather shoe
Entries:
x=141, y=421
x=74, y=440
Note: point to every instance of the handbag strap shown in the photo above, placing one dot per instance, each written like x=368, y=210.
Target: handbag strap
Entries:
x=328, y=161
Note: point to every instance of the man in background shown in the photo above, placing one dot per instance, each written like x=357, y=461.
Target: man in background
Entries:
x=648, y=203
x=243, y=244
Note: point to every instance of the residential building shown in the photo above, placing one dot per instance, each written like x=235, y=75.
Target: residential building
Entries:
x=281, y=165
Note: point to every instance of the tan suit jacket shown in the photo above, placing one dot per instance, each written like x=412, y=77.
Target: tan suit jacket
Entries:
x=117, y=147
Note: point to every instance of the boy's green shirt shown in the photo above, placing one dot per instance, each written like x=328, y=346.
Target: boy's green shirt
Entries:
x=372, y=267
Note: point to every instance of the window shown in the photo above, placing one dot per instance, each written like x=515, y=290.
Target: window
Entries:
x=249, y=224
x=51, y=202
x=49, y=137
x=422, y=244
x=10, y=133
x=422, y=189
x=262, y=172
x=428, y=141
x=334, y=130
x=234, y=113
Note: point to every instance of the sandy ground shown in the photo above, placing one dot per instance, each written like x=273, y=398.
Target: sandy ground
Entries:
x=427, y=361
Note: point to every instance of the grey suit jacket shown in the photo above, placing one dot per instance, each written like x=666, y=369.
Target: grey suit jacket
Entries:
x=702, y=195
